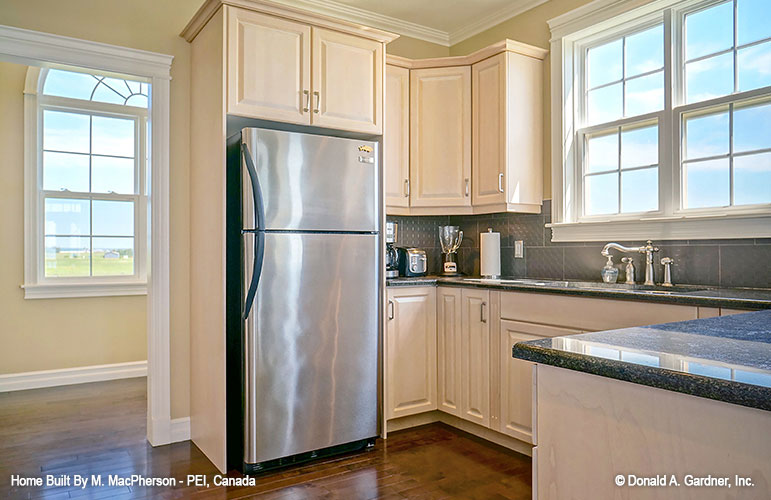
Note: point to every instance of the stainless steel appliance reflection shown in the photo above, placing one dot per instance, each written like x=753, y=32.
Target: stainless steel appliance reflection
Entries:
x=310, y=298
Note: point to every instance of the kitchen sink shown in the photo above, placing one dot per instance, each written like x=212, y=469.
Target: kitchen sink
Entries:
x=589, y=285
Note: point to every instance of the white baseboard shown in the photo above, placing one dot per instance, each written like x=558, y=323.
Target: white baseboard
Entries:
x=180, y=429
x=67, y=376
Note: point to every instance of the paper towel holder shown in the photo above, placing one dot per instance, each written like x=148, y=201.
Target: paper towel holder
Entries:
x=490, y=276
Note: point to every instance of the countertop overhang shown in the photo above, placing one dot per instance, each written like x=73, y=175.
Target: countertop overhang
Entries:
x=725, y=358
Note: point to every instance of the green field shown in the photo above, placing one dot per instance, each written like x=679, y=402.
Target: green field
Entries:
x=66, y=264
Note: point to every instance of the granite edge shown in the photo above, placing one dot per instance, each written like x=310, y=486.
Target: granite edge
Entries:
x=727, y=391
x=632, y=295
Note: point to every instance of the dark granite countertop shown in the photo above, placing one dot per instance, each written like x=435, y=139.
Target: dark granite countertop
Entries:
x=694, y=295
x=725, y=358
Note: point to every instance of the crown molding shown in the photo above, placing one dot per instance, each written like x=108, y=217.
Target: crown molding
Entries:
x=513, y=9
x=380, y=21
x=339, y=10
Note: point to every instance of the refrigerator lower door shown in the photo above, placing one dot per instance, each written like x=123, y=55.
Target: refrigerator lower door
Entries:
x=311, y=345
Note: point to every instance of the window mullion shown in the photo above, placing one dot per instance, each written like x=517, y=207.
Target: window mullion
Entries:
x=668, y=171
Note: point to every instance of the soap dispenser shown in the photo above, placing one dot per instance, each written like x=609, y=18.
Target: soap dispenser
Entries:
x=609, y=272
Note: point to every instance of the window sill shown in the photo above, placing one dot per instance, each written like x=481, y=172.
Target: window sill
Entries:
x=669, y=228
x=74, y=290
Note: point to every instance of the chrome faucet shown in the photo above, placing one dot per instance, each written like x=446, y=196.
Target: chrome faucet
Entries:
x=648, y=249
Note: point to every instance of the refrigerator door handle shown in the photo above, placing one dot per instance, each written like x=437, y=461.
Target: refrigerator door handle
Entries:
x=259, y=209
x=259, y=254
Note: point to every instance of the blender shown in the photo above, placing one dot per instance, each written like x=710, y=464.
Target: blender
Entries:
x=450, y=238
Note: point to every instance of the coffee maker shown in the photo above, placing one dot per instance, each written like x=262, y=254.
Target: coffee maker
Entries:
x=392, y=256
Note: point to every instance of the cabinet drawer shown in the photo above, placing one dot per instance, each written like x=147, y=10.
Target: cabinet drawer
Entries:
x=589, y=314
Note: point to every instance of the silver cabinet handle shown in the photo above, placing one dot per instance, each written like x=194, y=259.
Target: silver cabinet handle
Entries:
x=482, y=312
x=406, y=188
x=467, y=186
x=390, y=309
x=500, y=182
x=317, y=108
x=307, y=106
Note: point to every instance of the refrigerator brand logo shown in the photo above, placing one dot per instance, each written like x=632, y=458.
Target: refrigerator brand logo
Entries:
x=365, y=149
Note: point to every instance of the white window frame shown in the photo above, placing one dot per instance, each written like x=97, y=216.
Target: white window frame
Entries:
x=36, y=284
x=572, y=34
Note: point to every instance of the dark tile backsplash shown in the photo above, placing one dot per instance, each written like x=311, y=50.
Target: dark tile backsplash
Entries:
x=730, y=262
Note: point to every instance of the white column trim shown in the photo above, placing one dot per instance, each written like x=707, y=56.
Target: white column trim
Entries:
x=37, y=48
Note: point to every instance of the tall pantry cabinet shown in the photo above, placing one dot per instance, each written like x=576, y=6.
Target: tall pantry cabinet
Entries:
x=262, y=61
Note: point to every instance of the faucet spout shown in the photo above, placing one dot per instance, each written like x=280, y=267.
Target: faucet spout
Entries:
x=621, y=248
x=648, y=249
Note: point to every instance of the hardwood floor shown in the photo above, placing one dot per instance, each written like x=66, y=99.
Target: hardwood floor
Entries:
x=99, y=429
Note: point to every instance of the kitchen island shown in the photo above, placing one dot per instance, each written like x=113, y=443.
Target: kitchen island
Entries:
x=679, y=410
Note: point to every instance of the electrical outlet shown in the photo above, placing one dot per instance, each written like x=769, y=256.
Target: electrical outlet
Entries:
x=519, y=249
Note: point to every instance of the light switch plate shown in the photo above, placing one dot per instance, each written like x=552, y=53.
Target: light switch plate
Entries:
x=519, y=249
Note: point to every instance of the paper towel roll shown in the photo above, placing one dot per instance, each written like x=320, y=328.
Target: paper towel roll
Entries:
x=490, y=254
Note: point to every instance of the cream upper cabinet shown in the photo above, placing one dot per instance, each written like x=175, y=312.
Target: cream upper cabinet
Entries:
x=448, y=346
x=397, y=137
x=347, y=82
x=440, y=137
x=507, y=127
x=269, y=62
x=294, y=72
x=475, y=356
x=410, y=351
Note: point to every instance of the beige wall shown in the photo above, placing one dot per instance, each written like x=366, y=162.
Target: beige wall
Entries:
x=56, y=333
x=413, y=48
x=528, y=27
x=37, y=326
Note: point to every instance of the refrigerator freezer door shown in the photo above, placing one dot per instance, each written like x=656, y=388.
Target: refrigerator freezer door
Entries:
x=312, y=182
x=311, y=345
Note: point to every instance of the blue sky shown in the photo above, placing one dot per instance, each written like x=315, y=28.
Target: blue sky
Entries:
x=706, y=183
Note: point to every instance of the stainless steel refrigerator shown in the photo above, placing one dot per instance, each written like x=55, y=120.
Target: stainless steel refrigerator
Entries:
x=303, y=353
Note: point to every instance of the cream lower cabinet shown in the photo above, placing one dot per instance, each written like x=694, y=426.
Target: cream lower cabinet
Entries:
x=410, y=351
x=449, y=348
x=294, y=72
x=516, y=383
x=475, y=356
x=440, y=137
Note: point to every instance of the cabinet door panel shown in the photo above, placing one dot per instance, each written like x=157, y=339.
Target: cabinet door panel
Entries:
x=449, y=324
x=489, y=131
x=347, y=82
x=517, y=389
x=411, y=352
x=397, y=137
x=475, y=357
x=440, y=137
x=260, y=45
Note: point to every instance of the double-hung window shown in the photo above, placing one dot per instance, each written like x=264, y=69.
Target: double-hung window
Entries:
x=665, y=120
x=87, y=156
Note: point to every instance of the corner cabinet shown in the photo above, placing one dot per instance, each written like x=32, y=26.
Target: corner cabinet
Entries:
x=440, y=137
x=475, y=132
x=410, y=351
x=449, y=348
x=397, y=137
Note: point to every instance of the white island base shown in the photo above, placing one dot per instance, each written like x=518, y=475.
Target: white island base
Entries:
x=592, y=432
